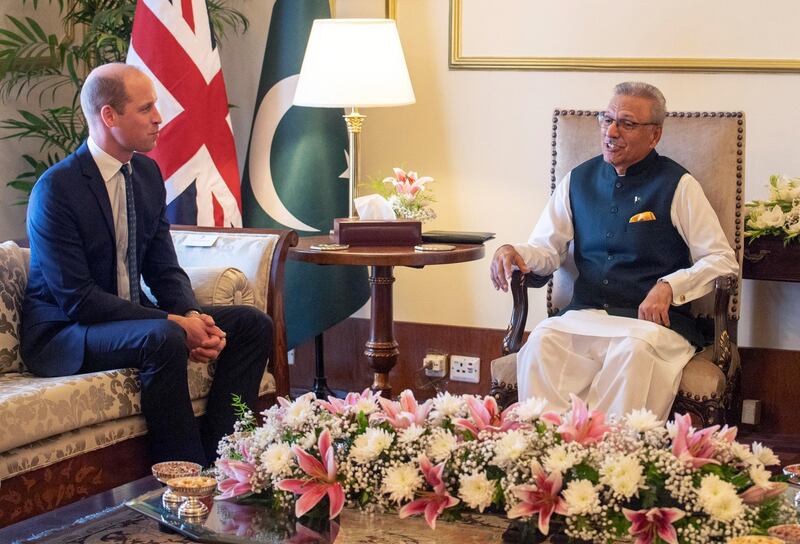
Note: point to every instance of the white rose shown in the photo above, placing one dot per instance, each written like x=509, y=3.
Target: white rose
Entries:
x=763, y=218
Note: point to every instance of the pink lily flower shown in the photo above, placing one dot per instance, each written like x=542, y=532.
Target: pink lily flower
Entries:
x=758, y=494
x=337, y=406
x=485, y=415
x=404, y=413
x=543, y=497
x=647, y=524
x=694, y=447
x=407, y=184
x=431, y=503
x=579, y=425
x=322, y=479
x=237, y=481
x=728, y=434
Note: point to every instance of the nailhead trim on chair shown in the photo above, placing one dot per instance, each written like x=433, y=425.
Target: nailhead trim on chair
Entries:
x=733, y=307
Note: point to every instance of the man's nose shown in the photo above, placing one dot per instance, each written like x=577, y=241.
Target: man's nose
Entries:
x=156, y=116
x=613, y=130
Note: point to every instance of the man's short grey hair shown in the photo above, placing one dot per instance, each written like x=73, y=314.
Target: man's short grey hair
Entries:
x=106, y=87
x=645, y=90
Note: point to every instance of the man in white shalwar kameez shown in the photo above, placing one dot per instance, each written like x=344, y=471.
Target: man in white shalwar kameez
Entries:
x=646, y=243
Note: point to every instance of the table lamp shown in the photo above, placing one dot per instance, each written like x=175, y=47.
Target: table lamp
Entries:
x=352, y=63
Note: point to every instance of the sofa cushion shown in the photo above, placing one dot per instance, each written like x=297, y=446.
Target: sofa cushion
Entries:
x=13, y=278
x=251, y=252
x=36, y=408
x=222, y=286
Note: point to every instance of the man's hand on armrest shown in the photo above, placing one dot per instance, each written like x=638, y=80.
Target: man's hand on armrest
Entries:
x=655, y=306
x=503, y=262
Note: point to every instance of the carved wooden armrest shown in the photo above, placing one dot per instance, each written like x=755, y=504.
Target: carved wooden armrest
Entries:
x=724, y=287
x=519, y=314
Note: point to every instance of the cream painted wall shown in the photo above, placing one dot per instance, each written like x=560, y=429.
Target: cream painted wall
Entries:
x=485, y=137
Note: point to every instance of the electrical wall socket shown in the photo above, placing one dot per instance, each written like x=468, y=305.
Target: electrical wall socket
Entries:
x=465, y=369
x=435, y=365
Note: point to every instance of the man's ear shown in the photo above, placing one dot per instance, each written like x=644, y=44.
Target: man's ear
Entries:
x=109, y=116
x=656, y=137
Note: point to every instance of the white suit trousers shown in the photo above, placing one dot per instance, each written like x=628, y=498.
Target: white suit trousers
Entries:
x=615, y=364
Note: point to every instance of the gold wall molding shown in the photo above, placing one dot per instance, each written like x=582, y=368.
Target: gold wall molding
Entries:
x=458, y=61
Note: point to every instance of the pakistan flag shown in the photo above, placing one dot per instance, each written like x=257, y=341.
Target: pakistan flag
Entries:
x=295, y=176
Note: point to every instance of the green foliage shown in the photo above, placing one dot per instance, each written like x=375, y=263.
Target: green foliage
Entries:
x=243, y=413
x=49, y=70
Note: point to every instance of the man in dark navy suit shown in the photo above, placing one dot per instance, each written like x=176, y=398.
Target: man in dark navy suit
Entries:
x=83, y=311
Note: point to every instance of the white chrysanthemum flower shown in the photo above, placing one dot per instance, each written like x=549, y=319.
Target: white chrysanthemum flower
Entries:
x=401, y=482
x=277, y=458
x=369, y=445
x=447, y=405
x=441, y=445
x=672, y=429
x=559, y=459
x=624, y=474
x=476, y=490
x=642, y=420
x=741, y=451
x=530, y=409
x=760, y=476
x=308, y=440
x=718, y=499
x=368, y=406
x=510, y=447
x=581, y=497
x=410, y=434
x=298, y=412
x=764, y=455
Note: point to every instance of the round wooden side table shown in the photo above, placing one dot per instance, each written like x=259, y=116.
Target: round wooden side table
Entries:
x=381, y=348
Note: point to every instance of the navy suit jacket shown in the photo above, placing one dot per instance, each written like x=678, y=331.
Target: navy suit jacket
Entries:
x=73, y=275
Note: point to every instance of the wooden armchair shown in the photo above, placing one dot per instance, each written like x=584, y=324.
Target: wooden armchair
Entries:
x=711, y=146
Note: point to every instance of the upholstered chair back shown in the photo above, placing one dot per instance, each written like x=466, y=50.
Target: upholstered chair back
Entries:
x=708, y=144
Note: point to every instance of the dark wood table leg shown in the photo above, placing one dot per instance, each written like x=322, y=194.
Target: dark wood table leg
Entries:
x=381, y=348
x=320, y=389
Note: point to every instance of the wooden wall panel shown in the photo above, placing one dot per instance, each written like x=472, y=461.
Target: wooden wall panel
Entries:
x=773, y=376
x=347, y=368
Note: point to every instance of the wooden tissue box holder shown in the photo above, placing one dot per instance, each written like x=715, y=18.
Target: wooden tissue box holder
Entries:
x=356, y=232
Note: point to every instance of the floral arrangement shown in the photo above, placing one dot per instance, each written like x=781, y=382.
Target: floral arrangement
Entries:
x=597, y=478
x=778, y=216
x=408, y=195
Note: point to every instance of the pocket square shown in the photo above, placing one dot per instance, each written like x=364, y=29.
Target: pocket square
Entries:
x=644, y=216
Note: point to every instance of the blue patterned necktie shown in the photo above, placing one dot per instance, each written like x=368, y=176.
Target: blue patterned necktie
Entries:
x=133, y=269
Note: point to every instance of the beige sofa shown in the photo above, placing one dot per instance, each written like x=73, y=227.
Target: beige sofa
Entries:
x=62, y=439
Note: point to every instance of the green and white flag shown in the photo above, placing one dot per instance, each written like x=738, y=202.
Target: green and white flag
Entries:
x=296, y=175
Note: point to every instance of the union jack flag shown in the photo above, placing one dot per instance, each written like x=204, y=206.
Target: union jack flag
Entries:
x=172, y=42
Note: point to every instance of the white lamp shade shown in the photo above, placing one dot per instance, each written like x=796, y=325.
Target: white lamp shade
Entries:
x=354, y=63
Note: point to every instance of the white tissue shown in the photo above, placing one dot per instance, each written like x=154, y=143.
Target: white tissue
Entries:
x=374, y=207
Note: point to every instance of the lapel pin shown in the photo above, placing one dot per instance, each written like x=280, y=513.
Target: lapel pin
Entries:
x=637, y=199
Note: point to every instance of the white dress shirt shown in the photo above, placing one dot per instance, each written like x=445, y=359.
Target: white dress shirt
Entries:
x=691, y=214
x=115, y=185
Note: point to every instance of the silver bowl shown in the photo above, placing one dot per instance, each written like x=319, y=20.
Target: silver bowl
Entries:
x=193, y=488
x=168, y=470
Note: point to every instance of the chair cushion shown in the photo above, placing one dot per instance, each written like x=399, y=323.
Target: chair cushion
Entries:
x=701, y=377
x=13, y=279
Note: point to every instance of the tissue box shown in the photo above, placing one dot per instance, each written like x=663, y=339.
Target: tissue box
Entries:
x=397, y=232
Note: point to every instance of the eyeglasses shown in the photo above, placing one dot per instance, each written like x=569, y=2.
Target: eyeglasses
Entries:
x=627, y=125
